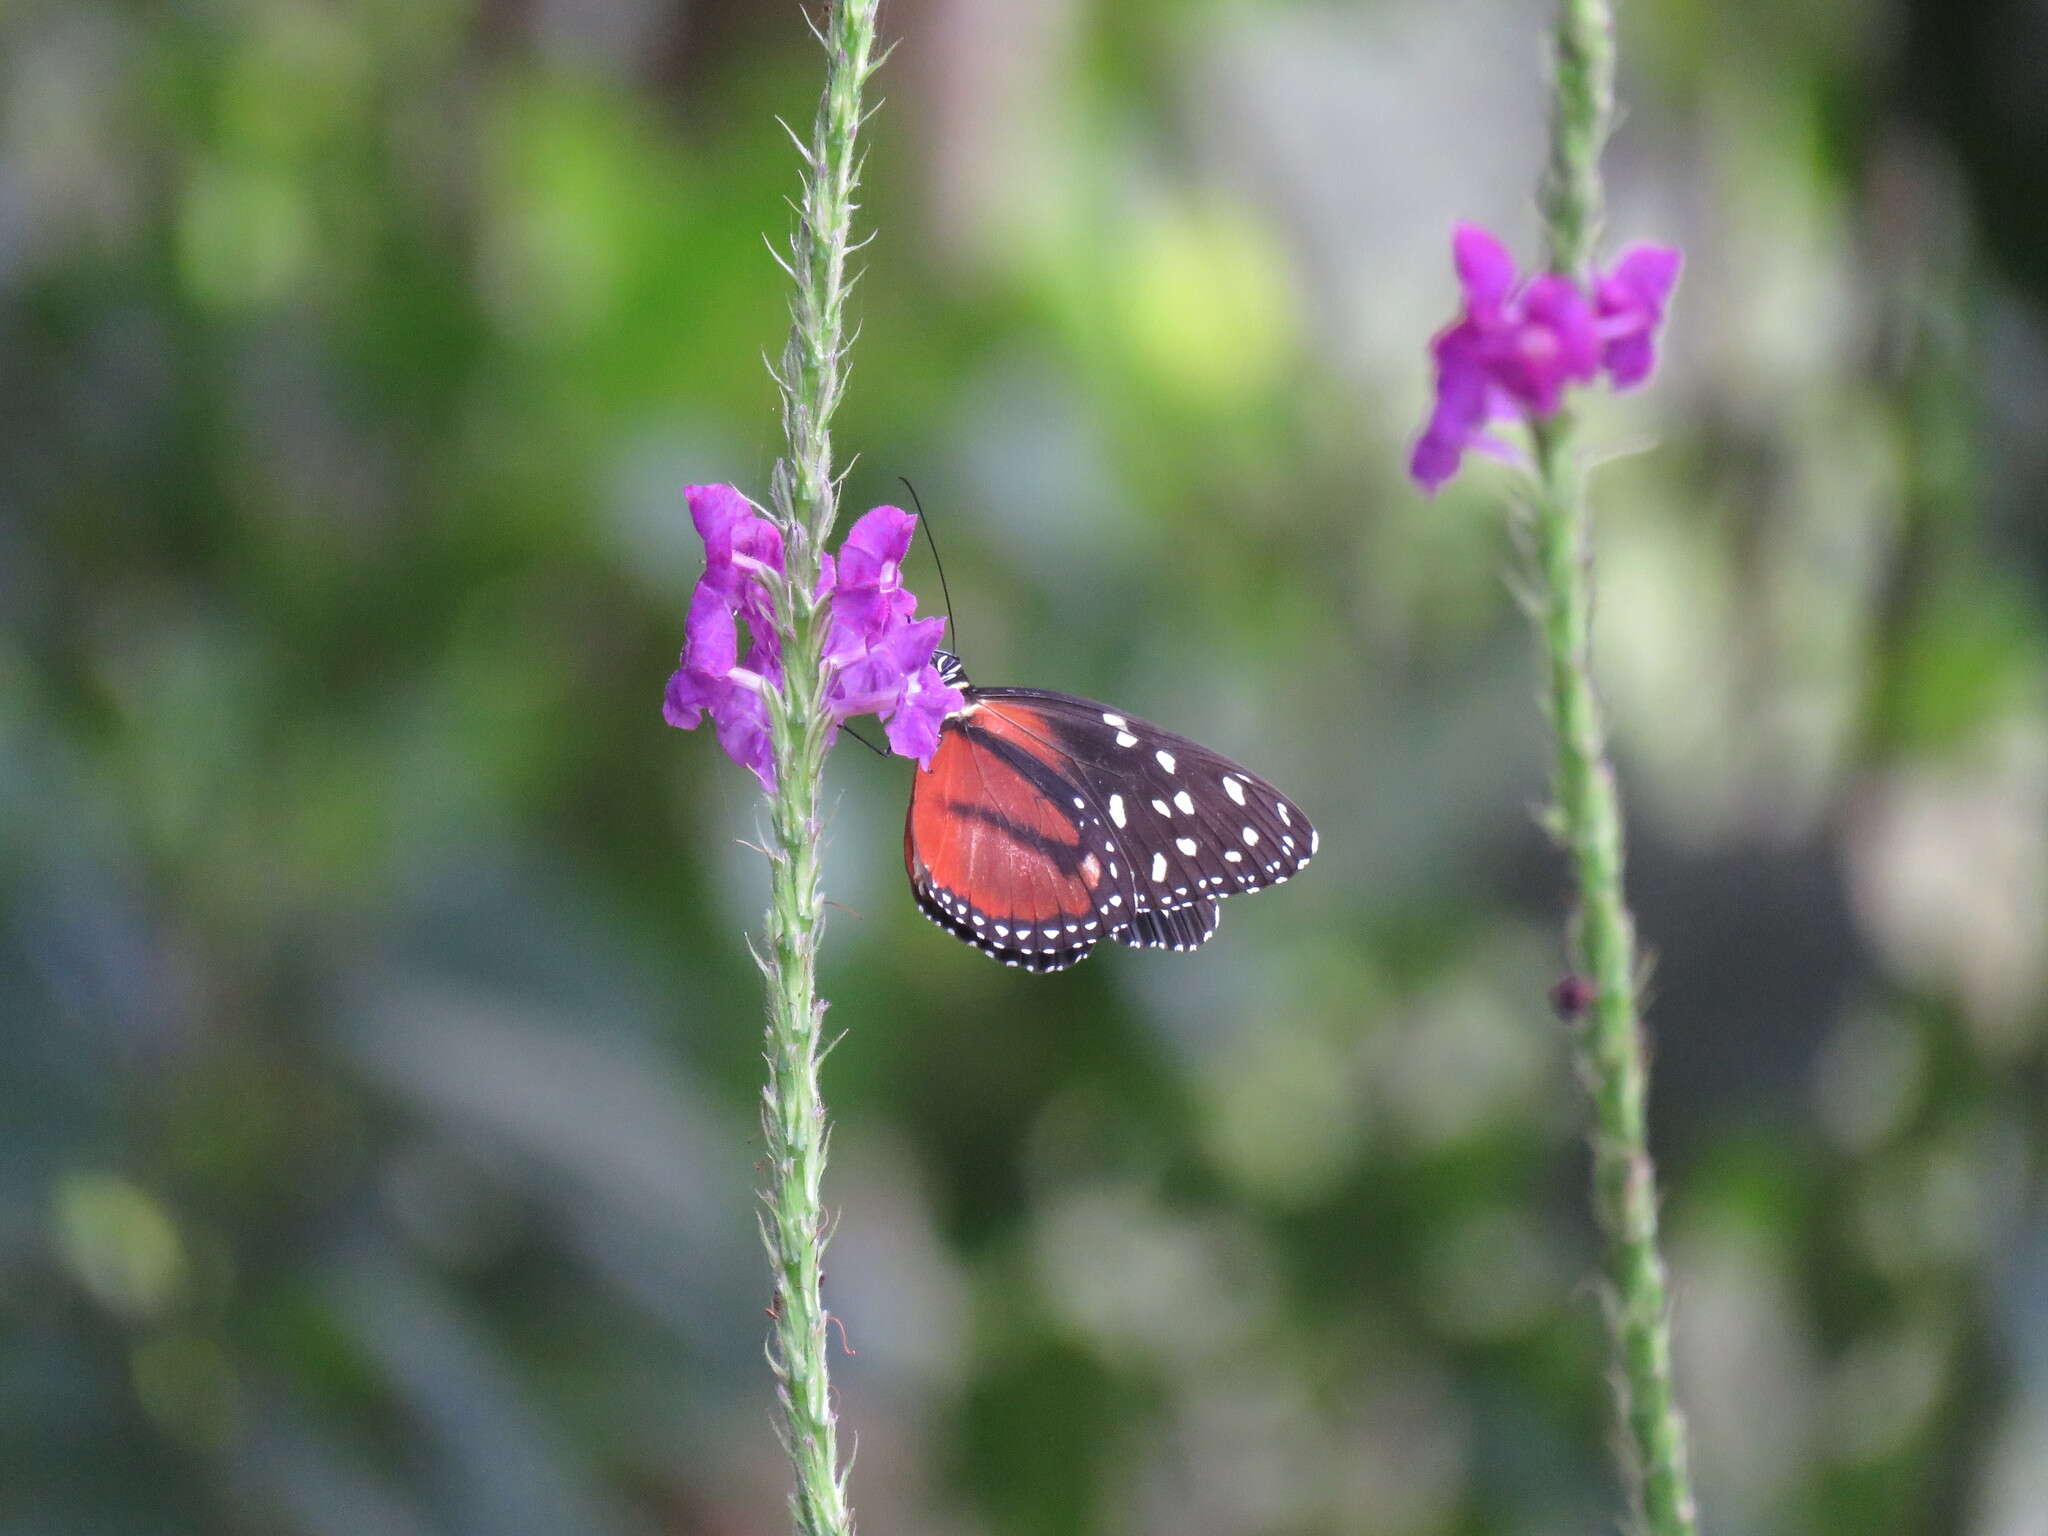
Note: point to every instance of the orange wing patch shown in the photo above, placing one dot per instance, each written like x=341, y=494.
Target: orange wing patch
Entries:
x=1020, y=726
x=992, y=849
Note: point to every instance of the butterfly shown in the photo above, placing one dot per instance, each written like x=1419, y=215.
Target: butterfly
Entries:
x=1048, y=823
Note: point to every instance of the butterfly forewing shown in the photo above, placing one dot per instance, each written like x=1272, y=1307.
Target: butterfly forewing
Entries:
x=1191, y=823
x=998, y=852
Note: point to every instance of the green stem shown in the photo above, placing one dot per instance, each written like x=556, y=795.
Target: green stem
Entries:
x=1588, y=821
x=805, y=497
x=1581, y=115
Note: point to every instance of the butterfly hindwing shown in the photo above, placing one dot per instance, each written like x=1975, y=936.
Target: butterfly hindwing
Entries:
x=1183, y=928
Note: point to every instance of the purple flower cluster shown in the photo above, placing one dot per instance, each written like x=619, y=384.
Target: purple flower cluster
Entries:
x=878, y=655
x=1518, y=344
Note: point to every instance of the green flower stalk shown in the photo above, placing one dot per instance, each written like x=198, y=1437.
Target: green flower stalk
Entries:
x=1514, y=353
x=805, y=505
x=827, y=637
x=1587, y=819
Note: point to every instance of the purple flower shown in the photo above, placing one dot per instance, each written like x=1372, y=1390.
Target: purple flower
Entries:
x=912, y=725
x=877, y=655
x=867, y=580
x=740, y=545
x=1630, y=300
x=1517, y=345
x=711, y=681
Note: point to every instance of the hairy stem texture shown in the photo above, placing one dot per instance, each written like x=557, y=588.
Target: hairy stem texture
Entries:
x=1588, y=820
x=805, y=498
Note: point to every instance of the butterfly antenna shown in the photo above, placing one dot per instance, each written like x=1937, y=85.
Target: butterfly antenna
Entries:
x=952, y=624
x=856, y=735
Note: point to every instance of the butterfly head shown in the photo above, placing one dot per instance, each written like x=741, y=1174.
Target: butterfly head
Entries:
x=951, y=672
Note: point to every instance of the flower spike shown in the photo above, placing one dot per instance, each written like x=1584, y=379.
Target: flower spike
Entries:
x=1518, y=344
x=877, y=655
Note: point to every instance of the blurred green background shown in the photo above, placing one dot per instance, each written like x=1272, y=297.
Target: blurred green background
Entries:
x=378, y=1047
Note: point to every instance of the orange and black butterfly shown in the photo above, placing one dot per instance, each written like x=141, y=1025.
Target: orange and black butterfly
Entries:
x=1048, y=823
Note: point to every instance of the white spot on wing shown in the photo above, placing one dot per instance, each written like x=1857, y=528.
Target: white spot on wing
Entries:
x=1233, y=855
x=1251, y=836
x=1186, y=845
x=1165, y=759
x=1116, y=720
x=1232, y=788
x=1285, y=819
x=1116, y=809
x=1162, y=807
x=1126, y=739
x=1158, y=868
x=1185, y=801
